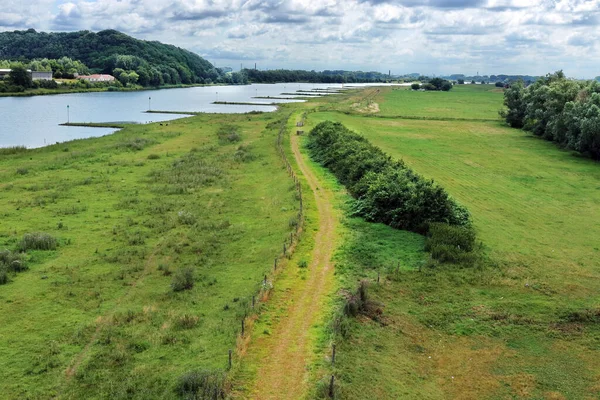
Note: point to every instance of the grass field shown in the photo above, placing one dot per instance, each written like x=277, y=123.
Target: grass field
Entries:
x=97, y=317
x=527, y=326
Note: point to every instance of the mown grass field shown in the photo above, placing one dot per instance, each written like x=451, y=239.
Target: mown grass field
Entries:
x=527, y=325
x=464, y=101
x=97, y=317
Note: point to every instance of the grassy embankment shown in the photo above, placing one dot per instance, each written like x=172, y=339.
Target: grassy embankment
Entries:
x=97, y=317
x=527, y=326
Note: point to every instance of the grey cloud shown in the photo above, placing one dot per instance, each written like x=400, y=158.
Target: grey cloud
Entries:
x=191, y=15
x=581, y=41
x=282, y=18
x=461, y=30
x=227, y=54
x=431, y=3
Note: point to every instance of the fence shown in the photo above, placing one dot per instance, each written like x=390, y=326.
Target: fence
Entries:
x=251, y=307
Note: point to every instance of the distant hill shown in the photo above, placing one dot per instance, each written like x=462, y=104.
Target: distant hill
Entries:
x=103, y=52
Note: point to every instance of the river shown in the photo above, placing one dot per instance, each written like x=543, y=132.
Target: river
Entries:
x=35, y=121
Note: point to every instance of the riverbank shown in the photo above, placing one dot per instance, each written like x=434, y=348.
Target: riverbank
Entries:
x=49, y=92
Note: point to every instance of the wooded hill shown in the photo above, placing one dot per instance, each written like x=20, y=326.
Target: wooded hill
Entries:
x=155, y=63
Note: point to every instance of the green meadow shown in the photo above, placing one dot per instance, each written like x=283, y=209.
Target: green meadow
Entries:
x=164, y=233
x=527, y=325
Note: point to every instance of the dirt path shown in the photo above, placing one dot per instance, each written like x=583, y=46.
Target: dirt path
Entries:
x=283, y=373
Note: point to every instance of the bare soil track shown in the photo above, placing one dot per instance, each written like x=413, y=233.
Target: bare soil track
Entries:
x=283, y=373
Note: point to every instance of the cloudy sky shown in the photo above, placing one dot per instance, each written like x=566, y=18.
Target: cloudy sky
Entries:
x=404, y=36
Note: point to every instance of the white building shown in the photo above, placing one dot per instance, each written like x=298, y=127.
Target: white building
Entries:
x=97, y=78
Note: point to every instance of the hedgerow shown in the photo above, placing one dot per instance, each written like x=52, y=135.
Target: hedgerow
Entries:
x=385, y=190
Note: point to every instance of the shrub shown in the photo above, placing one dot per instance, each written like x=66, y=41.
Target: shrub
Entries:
x=10, y=261
x=229, y=134
x=22, y=171
x=200, y=385
x=415, y=86
x=454, y=244
x=3, y=276
x=38, y=241
x=153, y=157
x=499, y=84
x=183, y=279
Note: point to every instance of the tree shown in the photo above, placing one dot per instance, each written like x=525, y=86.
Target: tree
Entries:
x=19, y=76
x=415, y=86
x=515, y=104
x=446, y=86
x=499, y=84
x=461, y=81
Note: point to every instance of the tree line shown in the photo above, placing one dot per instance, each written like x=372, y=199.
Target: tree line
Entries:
x=327, y=76
x=435, y=84
x=558, y=109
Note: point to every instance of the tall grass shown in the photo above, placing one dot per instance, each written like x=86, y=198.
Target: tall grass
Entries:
x=37, y=241
x=5, y=151
x=202, y=385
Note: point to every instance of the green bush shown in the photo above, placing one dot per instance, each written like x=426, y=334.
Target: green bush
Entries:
x=183, y=279
x=153, y=156
x=37, y=241
x=202, y=385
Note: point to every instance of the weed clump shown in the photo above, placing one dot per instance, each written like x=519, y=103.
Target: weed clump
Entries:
x=22, y=171
x=183, y=279
x=229, y=134
x=135, y=144
x=153, y=156
x=3, y=276
x=186, y=321
x=37, y=241
x=452, y=244
x=202, y=385
x=243, y=154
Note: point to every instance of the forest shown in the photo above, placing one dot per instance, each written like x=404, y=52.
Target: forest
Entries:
x=153, y=63
x=558, y=109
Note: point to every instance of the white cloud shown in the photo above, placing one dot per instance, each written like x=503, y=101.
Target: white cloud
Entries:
x=433, y=36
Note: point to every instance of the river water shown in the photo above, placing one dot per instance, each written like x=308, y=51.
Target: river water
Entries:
x=34, y=121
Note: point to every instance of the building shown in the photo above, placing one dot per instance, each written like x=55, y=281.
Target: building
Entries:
x=97, y=78
x=35, y=75
x=41, y=75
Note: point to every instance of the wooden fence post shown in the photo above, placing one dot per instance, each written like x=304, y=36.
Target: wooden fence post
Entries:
x=331, y=387
x=333, y=355
x=242, y=327
x=230, y=352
